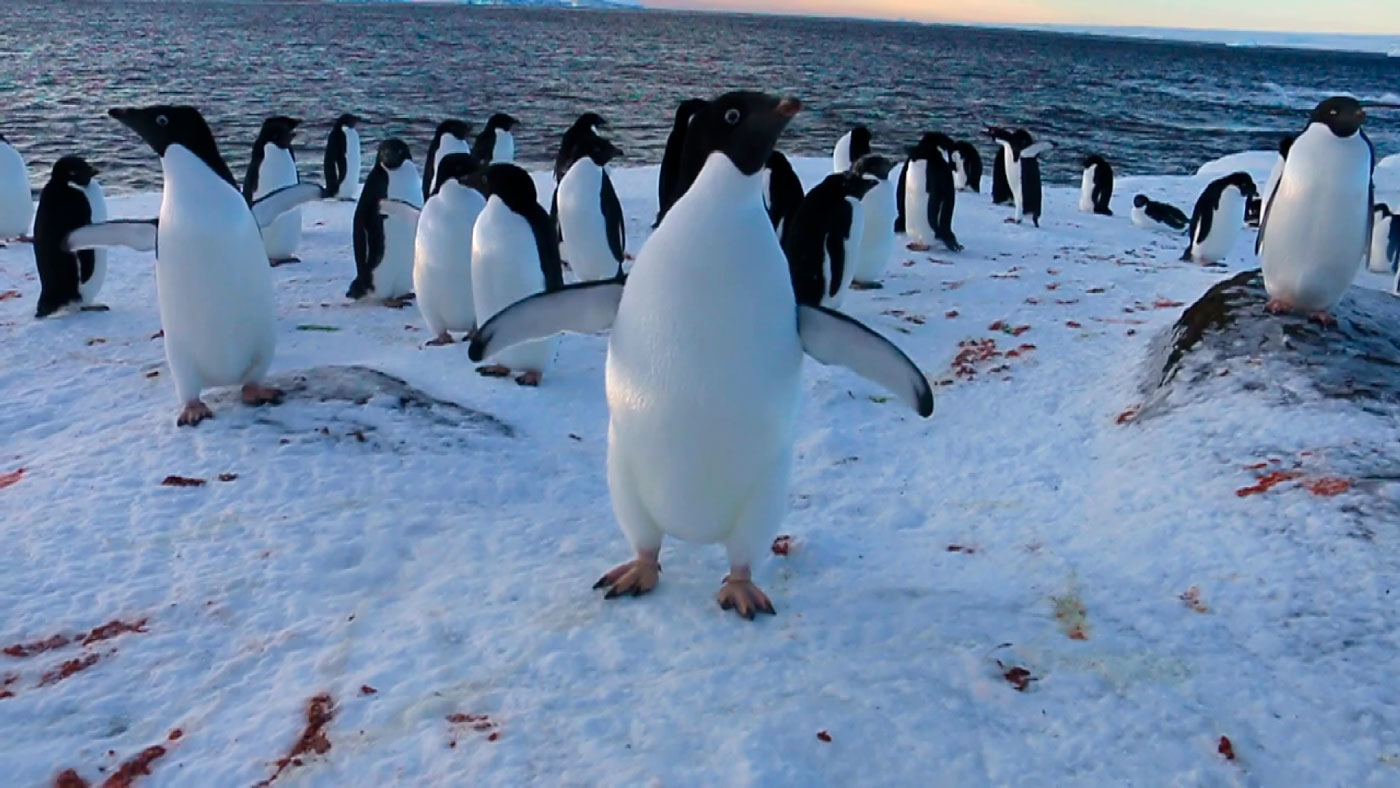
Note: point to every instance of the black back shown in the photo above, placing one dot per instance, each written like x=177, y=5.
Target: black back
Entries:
x=62, y=209
x=1030, y=188
x=1203, y=217
x=860, y=143
x=452, y=126
x=164, y=125
x=368, y=226
x=668, y=181
x=513, y=186
x=277, y=130
x=1103, y=184
x=1162, y=213
x=334, y=164
x=1001, y=185
x=784, y=190
x=900, y=223
x=972, y=164
x=818, y=232
x=464, y=168
x=586, y=126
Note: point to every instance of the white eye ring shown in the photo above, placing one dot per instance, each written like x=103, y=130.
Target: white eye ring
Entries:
x=732, y=116
x=161, y=120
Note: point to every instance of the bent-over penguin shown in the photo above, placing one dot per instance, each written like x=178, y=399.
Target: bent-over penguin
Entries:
x=1218, y=218
x=1151, y=215
x=1096, y=190
x=71, y=199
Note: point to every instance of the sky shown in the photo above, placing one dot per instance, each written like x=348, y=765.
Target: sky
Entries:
x=1377, y=17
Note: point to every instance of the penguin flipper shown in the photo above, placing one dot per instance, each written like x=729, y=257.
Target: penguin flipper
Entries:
x=138, y=234
x=267, y=208
x=836, y=339
x=584, y=308
x=899, y=220
x=398, y=209
x=1037, y=149
x=612, y=219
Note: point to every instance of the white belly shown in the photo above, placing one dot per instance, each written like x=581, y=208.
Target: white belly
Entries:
x=350, y=189
x=393, y=277
x=581, y=219
x=1225, y=229
x=1086, y=192
x=1141, y=219
x=1013, y=176
x=16, y=203
x=841, y=156
x=1316, y=233
x=505, y=269
x=279, y=171
x=97, y=202
x=505, y=147
x=877, y=242
x=916, y=203
x=959, y=171
x=447, y=146
x=1380, y=245
x=442, y=264
x=703, y=377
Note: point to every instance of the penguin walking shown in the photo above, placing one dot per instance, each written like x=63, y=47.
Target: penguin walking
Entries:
x=714, y=468
x=1097, y=188
x=782, y=191
x=1385, y=240
x=1151, y=215
x=1218, y=218
x=850, y=148
x=669, y=181
x=16, y=205
x=587, y=126
x=591, y=228
x=878, y=205
x=1023, y=173
x=1001, y=182
x=449, y=137
x=1316, y=223
x=496, y=142
x=929, y=196
x=342, y=160
x=274, y=167
x=384, y=243
x=824, y=241
x=967, y=167
x=71, y=199
x=442, y=259
x=515, y=254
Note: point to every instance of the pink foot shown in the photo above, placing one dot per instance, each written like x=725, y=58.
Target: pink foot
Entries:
x=441, y=339
x=632, y=578
x=258, y=394
x=531, y=379
x=396, y=303
x=743, y=597
x=283, y=261
x=915, y=246
x=1277, y=307
x=193, y=413
x=1324, y=318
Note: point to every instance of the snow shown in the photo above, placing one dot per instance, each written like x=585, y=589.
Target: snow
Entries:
x=441, y=553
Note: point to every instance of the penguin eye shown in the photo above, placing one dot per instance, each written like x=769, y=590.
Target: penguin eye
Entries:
x=732, y=116
x=162, y=120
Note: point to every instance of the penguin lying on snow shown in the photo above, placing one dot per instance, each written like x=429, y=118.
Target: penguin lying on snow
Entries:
x=449, y=137
x=782, y=191
x=879, y=208
x=342, y=159
x=1097, y=188
x=926, y=197
x=823, y=243
x=1149, y=214
x=713, y=468
x=16, y=206
x=384, y=243
x=1385, y=240
x=850, y=148
x=72, y=198
x=273, y=166
x=669, y=184
x=212, y=278
x=1218, y=218
x=967, y=167
x=592, y=231
x=496, y=142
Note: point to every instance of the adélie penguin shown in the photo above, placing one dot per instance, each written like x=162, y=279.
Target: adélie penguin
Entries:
x=1096, y=190
x=1218, y=218
x=928, y=195
x=877, y=242
x=592, y=231
x=342, y=159
x=585, y=127
x=782, y=191
x=1150, y=215
x=714, y=468
x=16, y=205
x=515, y=254
x=1001, y=183
x=496, y=142
x=823, y=242
x=668, y=184
x=449, y=137
x=1022, y=154
x=967, y=167
x=71, y=199
x=1385, y=240
x=1317, y=222
x=384, y=242
x=272, y=167
x=213, y=283
x=852, y=145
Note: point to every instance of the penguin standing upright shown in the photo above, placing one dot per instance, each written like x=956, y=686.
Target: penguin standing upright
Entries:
x=1001, y=182
x=342, y=160
x=782, y=191
x=852, y=145
x=1023, y=173
x=824, y=240
x=442, y=259
x=273, y=167
x=1218, y=218
x=586, y=126
x=1097, y=188
x=1316, y=223
x=16, y=205
x=929, y=196
x=72, y=198
x=1385, y=240
x=877, y=242
x=496, y=142
x=704, y=378
x=669, y=180
x=515, y=254
x=967, y=167
x=1151, y=215
x=384, y=244
x=449, y=137
x=591, y=227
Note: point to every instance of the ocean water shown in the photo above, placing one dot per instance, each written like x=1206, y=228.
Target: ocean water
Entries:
x=1150, y=107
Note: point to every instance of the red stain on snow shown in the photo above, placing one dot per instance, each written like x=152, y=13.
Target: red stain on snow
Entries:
x=68, y=669
x=1327, y=486
x=137, y=766
x=1226, y=748
x=782, y=545
x=1267, y=482
x=320, y=710
x=12, y=478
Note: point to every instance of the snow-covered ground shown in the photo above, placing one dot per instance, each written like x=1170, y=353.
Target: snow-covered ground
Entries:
x=424, y=568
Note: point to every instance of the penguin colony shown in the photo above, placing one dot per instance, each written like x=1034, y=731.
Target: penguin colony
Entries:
x=469, y=240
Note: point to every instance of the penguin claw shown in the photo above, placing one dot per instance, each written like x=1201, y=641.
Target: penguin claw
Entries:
x=915, y=246
x=530, y=379
x=1323, y=318
x=633, y=578
x=1277, y=307
x=744, y=598
x=441, y=339
x=256, y=394
x=493, y=371
x=193, y=414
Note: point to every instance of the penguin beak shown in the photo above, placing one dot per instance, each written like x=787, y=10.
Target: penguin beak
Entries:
x=789, y=107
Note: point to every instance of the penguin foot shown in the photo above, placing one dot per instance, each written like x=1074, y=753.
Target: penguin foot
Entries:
x=632, y=578
x=1277, y=307
x=274, y=262
x=1323, y=318
x=193, y=414
x=441, y=339
x=953, y=245
x=858, y=285
x=396, y=303
x=743, y=597
x=95, y=308
x=915, y=246
x=258, y=394
x=531, y=378
x=493, y=371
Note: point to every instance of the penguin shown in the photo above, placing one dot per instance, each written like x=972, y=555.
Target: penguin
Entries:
x=1218, y=218
x=213, y=284
x=1385, y=240
x=668, y=185
x=273, y=167
x=824, y=241
x=449, y=137
x=442, y=259
x=16, y=205
x=929, y=197
x=1097, y=187
x=72, y=199
x=1149, y=215
x=877, y=243
x=967, y=167
x=1001, y=183
x=1285, y=144
x=1316, y=223
x=384, y=244
x=515, y=254
x=704, y=378
x=591, y=227
x=782, y=191
x=853, y=145
x=587, y=126
x=496, y=143
x=342, y=161
x=1023, y=173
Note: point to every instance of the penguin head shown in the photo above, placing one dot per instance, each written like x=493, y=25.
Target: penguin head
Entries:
x=1140, y=201
x=874, y=166
x=1093, y=161
x=278, y=130
x=601, y=151
x=1242, y=181
x=860, y=135
x=999, y=134
x=512, y=185
x=744, y=126
x=930, y=145
x=348, y=119
x=74, y=170
x=393, y=152
x=1342, y=114
x=1020, y=139
x=591, y=121
x=855, y=185
x=463, y=168
x=502, y=121
x=164, y=125
x=457, y=128
x=1381, y=210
